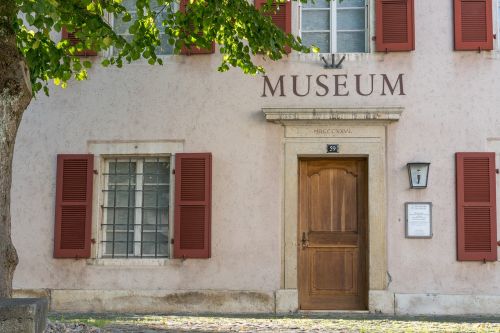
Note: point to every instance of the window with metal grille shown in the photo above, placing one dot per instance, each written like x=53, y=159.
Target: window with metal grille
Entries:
x=335, y=26
x=136, y=208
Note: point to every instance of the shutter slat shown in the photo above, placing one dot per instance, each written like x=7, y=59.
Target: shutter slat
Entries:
x=193, y=188
x=73, y=206
x=73, y=227
x=192, y=227
x=395, y=23
x=476, y=206
x=476, y=180
x=474, y=21
x=395, y=26
x=281, y=15
x=473, y=25
x=477, y=228
x=73, y=40
x=194, y=50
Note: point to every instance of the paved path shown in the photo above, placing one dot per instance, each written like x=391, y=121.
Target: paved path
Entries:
x=294, y=323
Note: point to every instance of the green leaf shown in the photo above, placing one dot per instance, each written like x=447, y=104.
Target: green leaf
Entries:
x=235, y=25
x=107, y=41
x=127, y=17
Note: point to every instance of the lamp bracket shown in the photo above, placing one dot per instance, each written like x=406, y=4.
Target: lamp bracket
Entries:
x=332, y=64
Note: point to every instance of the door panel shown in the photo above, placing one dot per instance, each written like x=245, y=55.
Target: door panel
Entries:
x=338, y=277
x=333, y=234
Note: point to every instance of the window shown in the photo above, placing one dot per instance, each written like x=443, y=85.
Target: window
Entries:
x=335, y=27
x=121, y=28
x=134, y=202
x=136, y=207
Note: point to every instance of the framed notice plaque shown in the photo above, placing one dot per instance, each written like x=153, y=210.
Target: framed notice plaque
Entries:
x=418, y=219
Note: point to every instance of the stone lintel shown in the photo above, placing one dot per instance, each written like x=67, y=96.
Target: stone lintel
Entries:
x=357, y=114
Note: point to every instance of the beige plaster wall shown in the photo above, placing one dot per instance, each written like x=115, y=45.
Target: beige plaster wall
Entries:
x=451, y=104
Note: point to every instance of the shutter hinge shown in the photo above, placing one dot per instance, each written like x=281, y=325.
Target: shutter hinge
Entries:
x=92, y=240
x=497, y=170
x=374, y=38
x=173, y=171
x=96, y=172
x=498, y=243
x=172, y=241
x=494, y=36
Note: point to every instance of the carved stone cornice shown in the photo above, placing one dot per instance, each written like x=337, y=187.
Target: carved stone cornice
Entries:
x=288, y=116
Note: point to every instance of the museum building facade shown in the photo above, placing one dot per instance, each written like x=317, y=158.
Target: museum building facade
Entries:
x=362, y=178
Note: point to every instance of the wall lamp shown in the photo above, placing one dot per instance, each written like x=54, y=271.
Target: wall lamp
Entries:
x=418, y=173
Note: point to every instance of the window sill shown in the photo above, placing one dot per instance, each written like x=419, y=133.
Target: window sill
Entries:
x=142, y=262
x=493, y=54
x=316, y=57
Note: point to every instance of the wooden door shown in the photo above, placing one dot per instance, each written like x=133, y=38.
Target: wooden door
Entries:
x=333, y=235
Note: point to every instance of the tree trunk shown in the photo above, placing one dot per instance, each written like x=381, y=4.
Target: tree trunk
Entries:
x=15, y=96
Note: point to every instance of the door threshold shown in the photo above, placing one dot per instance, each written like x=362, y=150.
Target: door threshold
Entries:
x=319, y=312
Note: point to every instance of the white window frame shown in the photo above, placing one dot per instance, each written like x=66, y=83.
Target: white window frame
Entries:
x=496, y=20
x=139, y=183
x=333, y=25
x=103, y=150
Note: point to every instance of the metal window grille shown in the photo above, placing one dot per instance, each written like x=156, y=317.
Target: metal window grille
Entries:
x=136, y=208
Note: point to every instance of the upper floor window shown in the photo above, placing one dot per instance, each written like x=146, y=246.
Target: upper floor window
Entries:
x=335, y=26
x=122, y=28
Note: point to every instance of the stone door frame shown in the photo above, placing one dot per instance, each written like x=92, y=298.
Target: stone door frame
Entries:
x=360, y=132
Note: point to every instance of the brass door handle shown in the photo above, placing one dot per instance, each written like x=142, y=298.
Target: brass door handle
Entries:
x=305, y=241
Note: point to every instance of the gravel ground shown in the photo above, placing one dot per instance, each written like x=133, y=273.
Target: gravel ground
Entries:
x=297, y=323
x=60, y=327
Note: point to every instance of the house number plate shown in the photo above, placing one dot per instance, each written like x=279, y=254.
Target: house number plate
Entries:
x=332, y=148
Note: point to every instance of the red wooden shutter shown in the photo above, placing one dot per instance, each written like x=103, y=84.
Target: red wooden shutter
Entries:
x=476, y=206
x=73, y=206
x=194, y=50
x=73, y=40
x=281, y=15
x=473, y=25
x=193, y=200
x=395, y=25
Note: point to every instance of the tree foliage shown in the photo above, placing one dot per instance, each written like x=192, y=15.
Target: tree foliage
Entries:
x=239, y=29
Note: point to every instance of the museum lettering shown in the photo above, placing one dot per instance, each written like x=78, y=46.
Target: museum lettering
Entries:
x=323, y=85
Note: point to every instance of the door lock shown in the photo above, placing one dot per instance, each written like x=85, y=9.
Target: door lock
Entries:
x=305, y=241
